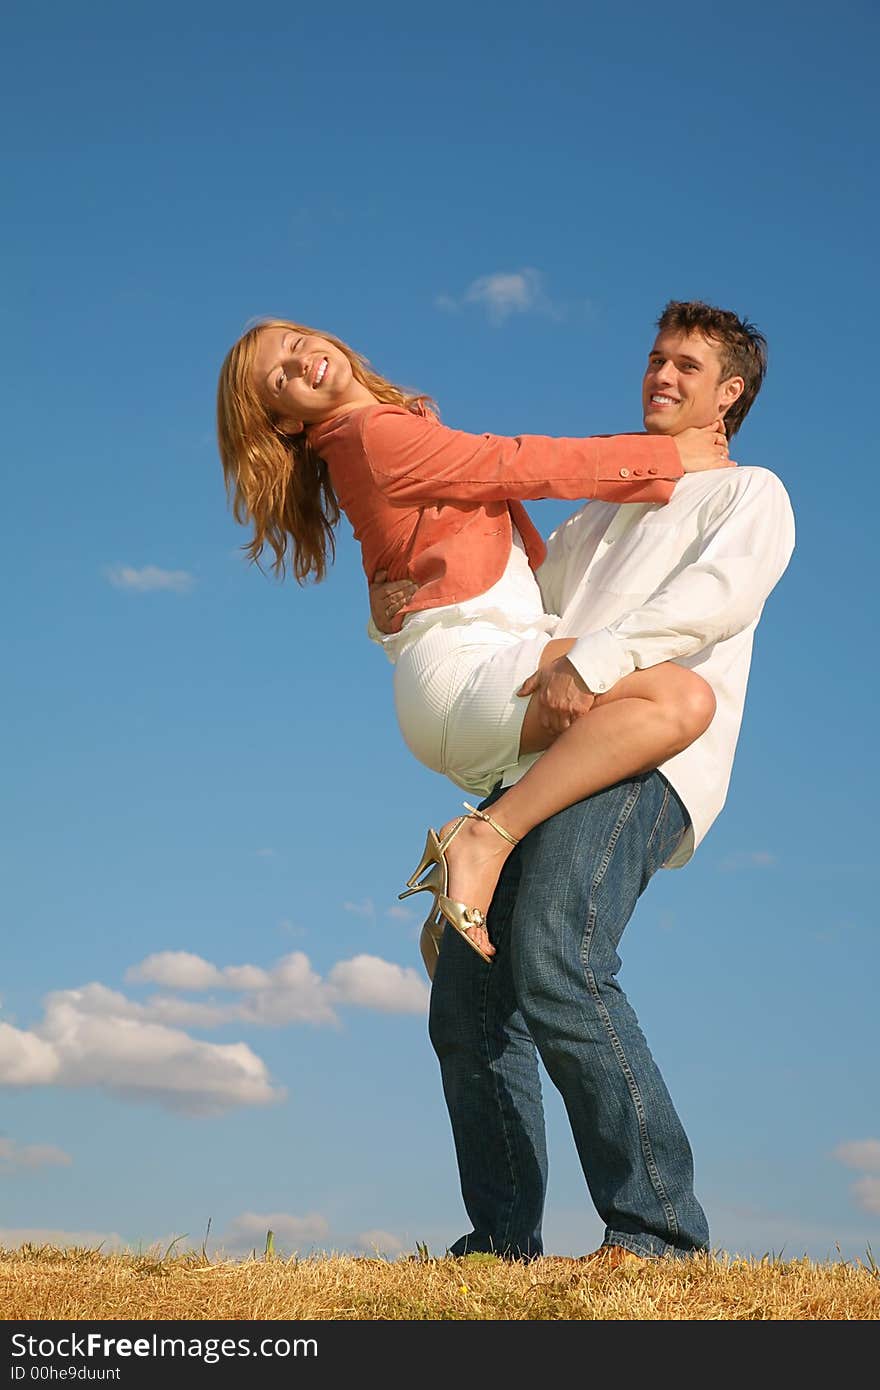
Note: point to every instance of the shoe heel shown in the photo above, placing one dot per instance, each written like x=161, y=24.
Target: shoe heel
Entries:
x=408, y=892
x=432, y=882
x=428, y=858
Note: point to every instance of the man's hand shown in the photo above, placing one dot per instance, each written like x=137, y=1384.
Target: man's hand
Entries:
x=387, y=597
x=700, y=449
x=562, y=694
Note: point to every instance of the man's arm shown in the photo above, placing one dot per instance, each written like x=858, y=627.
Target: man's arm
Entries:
x=745, y=544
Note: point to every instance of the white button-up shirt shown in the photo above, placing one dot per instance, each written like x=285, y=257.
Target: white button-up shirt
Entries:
x=684, y=582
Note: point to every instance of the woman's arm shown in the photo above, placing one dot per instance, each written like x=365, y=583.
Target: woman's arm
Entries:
x=417, y=461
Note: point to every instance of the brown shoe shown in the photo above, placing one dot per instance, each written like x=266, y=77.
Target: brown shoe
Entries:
x=607, y=1257
x=615, y=1257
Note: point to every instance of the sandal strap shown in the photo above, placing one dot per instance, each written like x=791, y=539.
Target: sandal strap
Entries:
x=481, y=815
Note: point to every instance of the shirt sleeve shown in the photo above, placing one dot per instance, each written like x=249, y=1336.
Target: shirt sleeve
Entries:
x=419, y=462
x=745, y=543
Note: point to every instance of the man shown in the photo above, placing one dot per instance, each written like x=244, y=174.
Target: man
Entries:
x=685, y=582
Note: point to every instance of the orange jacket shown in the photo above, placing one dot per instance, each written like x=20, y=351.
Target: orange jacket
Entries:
x=437, y=505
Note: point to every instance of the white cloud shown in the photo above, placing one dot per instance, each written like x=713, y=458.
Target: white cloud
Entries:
x=291, y=928
x=400, y=914
x=295, y=993
x=187, y=1013
x=748, y=859
x=105, y=1040
x=365, y=908
x=11, y=1237
x=177, y=970
x=183, y=970
x=248, y=1230
x=867, y=1194
x=149, y=579
x=290, y=992
x=382, y=1241
x=14, y=1156
x=863, y=1154
x=249, y=976
x=25, y=1059
x=373, y=983
x=504, y=293
x=94, y=1036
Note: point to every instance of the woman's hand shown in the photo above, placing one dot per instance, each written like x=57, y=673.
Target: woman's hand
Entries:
x=700, y=449
x=388, y=597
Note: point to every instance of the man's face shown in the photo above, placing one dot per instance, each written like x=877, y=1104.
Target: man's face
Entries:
x=682, y=384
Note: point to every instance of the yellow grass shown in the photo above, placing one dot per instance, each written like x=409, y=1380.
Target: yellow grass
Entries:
x=76, y=1283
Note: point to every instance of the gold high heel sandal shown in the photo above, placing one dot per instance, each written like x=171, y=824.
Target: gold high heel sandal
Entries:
x=429, y=939
x=436, y=880
x=433, y=865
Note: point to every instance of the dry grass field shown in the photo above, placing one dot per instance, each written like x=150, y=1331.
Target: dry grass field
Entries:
x=72, y=1283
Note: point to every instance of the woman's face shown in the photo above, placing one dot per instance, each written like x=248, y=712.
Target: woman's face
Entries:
x=303, y=379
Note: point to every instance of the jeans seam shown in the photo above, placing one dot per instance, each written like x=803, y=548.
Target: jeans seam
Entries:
x=511, y=1166
x=617, y=1047
x=660, y=814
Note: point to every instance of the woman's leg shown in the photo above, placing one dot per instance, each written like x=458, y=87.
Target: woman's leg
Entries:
x=646, y=718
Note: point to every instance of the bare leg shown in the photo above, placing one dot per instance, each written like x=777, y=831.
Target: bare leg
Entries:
x=645, y=719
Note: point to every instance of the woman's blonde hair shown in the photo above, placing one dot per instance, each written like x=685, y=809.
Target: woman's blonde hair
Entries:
x=276, y=481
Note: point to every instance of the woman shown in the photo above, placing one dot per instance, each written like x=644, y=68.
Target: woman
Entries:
x=306, y=430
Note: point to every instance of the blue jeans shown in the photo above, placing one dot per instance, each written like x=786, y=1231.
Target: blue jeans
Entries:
x=556, y=920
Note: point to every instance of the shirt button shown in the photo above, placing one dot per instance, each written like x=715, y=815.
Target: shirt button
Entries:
x=624, y=472
x=598, y=687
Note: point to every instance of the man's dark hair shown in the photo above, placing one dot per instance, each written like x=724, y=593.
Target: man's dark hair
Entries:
x=743, y=348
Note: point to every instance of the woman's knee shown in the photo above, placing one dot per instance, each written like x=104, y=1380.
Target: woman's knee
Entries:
x=696, y=707
x=684, y=702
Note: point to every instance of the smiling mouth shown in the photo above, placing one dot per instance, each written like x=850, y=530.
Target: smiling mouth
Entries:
x=320, y=373
x=659, y=399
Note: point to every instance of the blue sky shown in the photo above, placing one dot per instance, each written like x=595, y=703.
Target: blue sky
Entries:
x=212, y=1003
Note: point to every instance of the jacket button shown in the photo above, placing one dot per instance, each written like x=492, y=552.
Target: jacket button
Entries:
x=637, y=472
x=624, y=472
x=652, y=470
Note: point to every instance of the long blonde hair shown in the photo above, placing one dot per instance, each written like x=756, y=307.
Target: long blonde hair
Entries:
x=275, y=481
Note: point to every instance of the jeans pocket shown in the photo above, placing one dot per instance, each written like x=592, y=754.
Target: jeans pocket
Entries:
x=670, y=826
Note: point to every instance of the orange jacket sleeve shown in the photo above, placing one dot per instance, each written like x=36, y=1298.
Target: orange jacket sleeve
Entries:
x=419, y=462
